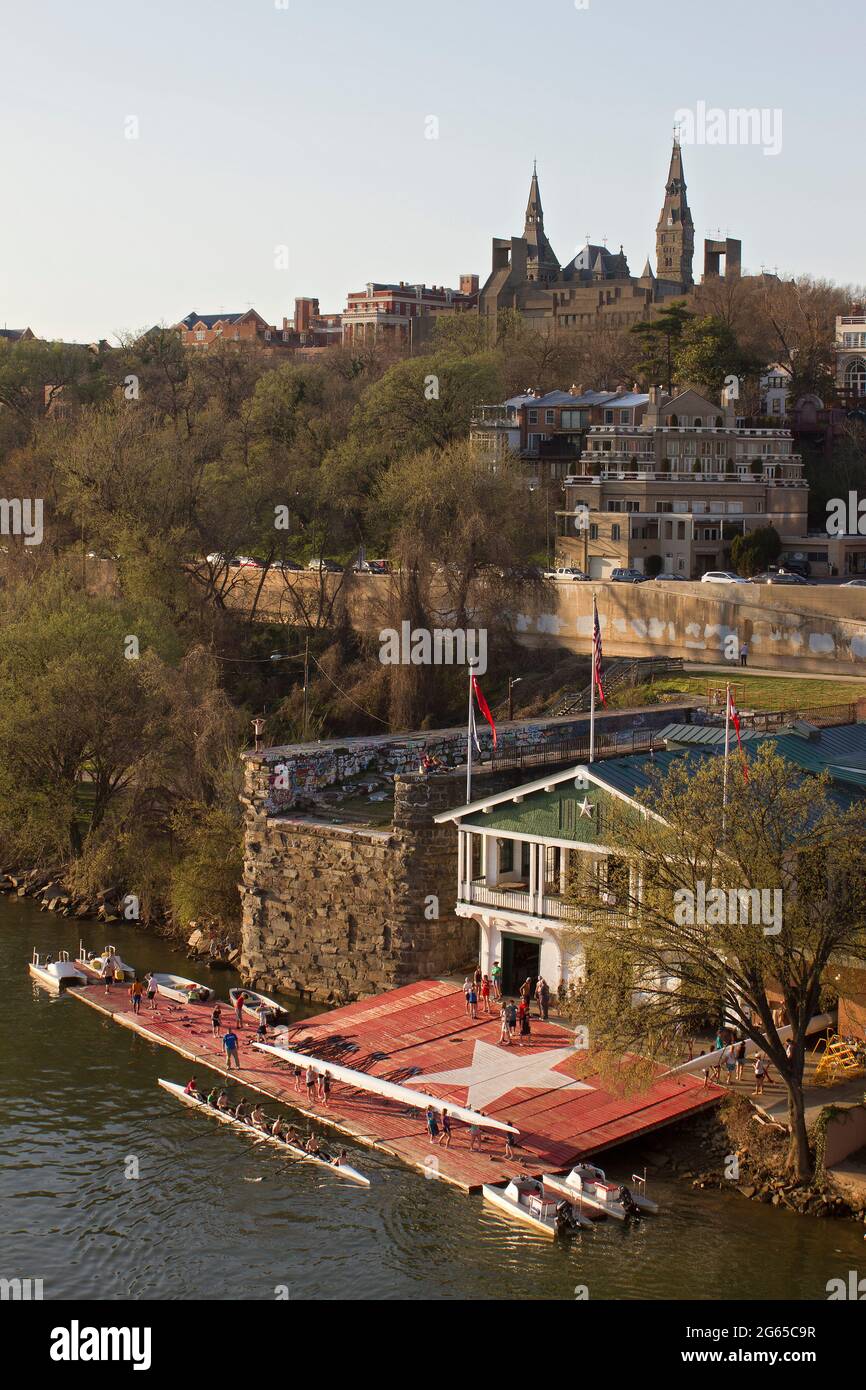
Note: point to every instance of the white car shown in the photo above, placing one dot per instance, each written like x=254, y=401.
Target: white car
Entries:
x=723, y=577
x=565, y=573
x=854, y=584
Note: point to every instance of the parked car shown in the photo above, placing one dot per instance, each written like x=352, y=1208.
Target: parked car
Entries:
x=801, y=567
x=723, y=577
x=667, y=575
x=288, y=565
x=372, y=567
x=779, y=577
x=626, y=576
x=325, y=567
x=566, y=572
x=854, y=584
x=247, y=562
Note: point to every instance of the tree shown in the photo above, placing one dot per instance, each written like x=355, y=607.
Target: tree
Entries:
x=753, y=552
x=655, y=961
x=708, y=352
x=425, y=403
x=660, y=337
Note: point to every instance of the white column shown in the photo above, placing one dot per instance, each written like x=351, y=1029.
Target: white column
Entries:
x=461, y=860
x=533, y=874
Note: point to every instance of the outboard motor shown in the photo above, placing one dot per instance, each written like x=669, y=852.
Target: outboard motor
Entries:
x=564, y=1218
x=628, y=1202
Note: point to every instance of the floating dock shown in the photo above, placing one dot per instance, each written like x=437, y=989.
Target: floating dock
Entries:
x=421, y=1034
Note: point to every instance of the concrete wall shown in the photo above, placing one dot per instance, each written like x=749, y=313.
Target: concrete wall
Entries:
x=819, y=630
x=845, y=1135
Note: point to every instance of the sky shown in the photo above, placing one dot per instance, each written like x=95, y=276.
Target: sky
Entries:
x=172, y=155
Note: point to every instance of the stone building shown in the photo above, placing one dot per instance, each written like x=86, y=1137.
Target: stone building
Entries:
x=850, y=355
x=596, y=285
x=402, y=316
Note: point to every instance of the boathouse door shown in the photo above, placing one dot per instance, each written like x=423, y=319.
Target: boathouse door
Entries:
x=521, y=957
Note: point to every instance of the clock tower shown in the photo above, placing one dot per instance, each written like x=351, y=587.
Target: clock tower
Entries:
x=675, y=233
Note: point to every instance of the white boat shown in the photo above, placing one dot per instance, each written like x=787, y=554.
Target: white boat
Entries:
x=342, y=1170
x=526, y=1200
x=56, y=975
x=253, y=1001
x=98, y=962
x=588, y=1186
x=183, y=990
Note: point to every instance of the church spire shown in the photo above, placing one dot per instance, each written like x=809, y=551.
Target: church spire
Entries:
x=675, y=233
x=541, y=262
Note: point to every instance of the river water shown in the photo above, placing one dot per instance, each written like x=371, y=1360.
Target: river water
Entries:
x=211, y=1216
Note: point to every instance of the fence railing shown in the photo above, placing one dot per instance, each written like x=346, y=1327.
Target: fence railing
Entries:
x=515, y=901
x=577, y=749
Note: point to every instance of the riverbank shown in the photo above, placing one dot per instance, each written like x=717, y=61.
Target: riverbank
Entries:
x=731, y=1149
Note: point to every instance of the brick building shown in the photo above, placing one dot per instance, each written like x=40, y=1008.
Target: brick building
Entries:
x=403, y=315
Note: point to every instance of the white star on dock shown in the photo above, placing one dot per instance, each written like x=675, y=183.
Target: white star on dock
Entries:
x=496, y=1071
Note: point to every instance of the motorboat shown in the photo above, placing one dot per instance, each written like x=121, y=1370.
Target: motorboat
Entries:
x=97, y=962
x=180, y=989
x=56, y=975
x=526, y=1199
x=340, y=1170
x=253, y=1001
x=587, y=1186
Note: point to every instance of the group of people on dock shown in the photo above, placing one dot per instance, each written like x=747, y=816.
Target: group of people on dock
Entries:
x=439, y=1131
x=514, y=1015
x=254, y=1116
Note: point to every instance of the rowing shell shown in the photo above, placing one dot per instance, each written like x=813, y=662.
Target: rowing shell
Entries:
x=389, y=1089
x=341, y=1171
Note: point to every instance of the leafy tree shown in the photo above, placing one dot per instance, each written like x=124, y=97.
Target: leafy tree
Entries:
x=660, y=338
x=708, y=352
x=753, y=552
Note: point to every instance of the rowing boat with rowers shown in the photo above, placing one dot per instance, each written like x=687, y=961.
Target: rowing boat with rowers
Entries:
x=341, y=1170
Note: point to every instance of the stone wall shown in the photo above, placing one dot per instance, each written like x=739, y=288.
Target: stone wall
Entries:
x=337, y=911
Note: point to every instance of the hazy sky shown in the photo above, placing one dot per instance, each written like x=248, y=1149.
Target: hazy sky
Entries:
x=303, y=123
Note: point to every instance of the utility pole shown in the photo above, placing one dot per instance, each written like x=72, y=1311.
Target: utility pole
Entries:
x=306, y=681
x=512, y=681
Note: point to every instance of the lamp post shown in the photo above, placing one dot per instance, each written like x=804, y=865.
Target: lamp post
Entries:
x=512, y=681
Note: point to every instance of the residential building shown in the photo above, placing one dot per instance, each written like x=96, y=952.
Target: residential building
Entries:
x=850, y=355
x=402, y=316
x=775, y=387
x=672, y=489
x=547, y=432
x=201, y=331
x=16, y=335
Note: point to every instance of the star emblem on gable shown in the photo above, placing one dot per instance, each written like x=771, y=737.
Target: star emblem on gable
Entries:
x=495, y=1072
x=585, y=808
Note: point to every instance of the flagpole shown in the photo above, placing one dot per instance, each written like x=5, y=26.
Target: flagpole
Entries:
x=727, y=750
x=592, y=683
x=469, y=741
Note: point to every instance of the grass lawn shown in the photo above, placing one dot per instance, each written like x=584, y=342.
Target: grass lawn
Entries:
x=750, y=692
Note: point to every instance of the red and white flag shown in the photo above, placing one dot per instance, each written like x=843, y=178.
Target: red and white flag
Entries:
x=735, y=720
x=596, y=653
x=485, y=710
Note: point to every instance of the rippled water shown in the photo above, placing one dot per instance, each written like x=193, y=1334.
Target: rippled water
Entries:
x=213, y=1216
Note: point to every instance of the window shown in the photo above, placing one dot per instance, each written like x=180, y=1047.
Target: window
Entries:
x=593, y=531
x=625, y=417
x=506, y=856
x=615, y=532
x=608, y=417
x=533, y=417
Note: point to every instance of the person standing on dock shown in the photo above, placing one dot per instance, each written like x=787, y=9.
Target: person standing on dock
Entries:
x=240, y=1000
x=485, y=993
x=230, y=1046
x=107, y=972
x=472, y=1001
x=445, y=1137
x=467, y=990
x=432, y=1126
x=135, y=992
x=310, y=1080
x=542, y=994
x=504, y=1028
x=496, y=979
x=151, y=991
x=325, y=1088
x=215, y=1018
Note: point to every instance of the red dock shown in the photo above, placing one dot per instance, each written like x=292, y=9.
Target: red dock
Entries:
x=421, y=1034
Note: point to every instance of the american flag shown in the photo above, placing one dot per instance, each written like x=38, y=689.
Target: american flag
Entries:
x=596, y=653
x=735, y=720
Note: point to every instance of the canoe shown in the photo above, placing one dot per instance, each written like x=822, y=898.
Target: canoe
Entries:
x=525, y=1199
x=253, y=1002
x=377, y=1086
x=183, y=990
x=588, y=1187
x=341, y=1171
x=56, y=975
